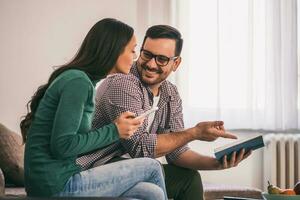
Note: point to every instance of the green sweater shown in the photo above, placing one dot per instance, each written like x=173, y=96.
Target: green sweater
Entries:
x=60, y=131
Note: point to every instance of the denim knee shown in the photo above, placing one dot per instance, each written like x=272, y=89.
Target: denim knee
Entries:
x=154, y=192
x=151, y=161
x=146, y=191
x=154, y=164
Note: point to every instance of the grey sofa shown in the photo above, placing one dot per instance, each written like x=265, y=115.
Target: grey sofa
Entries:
x=12, y=164
x=211, y=191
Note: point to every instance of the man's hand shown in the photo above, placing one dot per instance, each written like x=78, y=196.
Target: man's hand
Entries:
x=234, y=160
x=210, y=131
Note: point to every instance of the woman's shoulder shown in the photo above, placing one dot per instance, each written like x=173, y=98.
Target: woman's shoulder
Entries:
x=74, y=73
x=72, y=77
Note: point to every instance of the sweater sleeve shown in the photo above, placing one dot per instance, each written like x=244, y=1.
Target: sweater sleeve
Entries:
x=65, y=139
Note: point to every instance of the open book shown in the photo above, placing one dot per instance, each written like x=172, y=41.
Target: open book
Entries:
x=248, y=144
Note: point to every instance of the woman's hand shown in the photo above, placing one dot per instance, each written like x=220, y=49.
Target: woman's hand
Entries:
x=127, y=124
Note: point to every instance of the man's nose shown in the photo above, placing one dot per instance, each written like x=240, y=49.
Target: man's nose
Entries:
x=152, y=63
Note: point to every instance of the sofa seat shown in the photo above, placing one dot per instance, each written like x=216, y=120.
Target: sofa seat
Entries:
x=20, y=194
x=211, y=191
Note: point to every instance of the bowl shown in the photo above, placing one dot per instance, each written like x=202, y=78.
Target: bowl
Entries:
x=280, y=196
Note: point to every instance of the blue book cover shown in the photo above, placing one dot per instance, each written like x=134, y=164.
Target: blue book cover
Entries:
x=248, y=144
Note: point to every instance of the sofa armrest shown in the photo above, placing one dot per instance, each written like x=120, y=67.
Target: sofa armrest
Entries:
x=2, y=183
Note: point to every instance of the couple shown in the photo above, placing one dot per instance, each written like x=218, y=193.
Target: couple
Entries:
x=61, y=147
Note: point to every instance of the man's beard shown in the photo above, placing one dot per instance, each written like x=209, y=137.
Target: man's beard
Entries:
x=142, y=67
x=145, y=67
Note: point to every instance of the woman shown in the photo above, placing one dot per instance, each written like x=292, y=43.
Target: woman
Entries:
x=57, y=127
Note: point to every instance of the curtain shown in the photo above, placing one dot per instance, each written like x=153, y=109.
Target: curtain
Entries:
x=239, y=62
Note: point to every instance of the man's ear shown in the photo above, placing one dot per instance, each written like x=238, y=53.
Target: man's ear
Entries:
x=176, y=64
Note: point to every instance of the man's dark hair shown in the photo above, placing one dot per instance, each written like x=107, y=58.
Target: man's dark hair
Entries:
x=165, y=31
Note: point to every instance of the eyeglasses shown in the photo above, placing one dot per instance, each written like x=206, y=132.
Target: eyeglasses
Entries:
x=160, y=60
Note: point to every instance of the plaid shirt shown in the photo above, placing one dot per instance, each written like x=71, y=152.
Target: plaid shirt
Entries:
x=119, y=93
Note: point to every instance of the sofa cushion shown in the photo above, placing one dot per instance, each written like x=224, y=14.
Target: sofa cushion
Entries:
x=11, y=156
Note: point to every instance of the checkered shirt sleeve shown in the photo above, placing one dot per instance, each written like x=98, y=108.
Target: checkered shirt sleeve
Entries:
x=176, y=123
x=173, y=119
x=124, y=94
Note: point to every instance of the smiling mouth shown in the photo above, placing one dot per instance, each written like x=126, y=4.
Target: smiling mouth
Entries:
x=150, y=74
x=150, y=71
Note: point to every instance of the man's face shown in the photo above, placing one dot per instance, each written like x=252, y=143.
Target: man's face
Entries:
x=151, y=73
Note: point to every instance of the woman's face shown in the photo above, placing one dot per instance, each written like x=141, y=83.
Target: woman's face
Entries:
x=126, y=58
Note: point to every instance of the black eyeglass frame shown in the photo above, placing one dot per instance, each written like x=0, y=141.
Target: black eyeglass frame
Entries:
x=157, y=56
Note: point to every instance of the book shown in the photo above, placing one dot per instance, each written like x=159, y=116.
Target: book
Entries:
x=250, y=143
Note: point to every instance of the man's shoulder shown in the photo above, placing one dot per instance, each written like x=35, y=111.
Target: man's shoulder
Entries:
x=171, y=85
x=117, y=83
x=120, y=78
x=171, y=88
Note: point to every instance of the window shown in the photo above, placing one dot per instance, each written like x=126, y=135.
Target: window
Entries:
x=241, y=63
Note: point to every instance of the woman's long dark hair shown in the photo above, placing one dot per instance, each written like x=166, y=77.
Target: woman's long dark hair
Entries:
x=97, y=55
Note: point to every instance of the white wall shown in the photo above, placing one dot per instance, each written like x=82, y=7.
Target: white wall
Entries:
x=36, y=35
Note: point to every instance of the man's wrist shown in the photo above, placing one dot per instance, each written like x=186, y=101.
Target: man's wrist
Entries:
x=217, y=165
x=193, y=133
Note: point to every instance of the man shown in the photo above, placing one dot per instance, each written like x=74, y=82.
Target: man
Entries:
x=162, y=133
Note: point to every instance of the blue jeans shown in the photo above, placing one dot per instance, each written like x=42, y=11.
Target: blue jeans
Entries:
x=140, y=178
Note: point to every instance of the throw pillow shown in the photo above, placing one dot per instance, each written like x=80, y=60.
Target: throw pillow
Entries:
x=11, y=156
